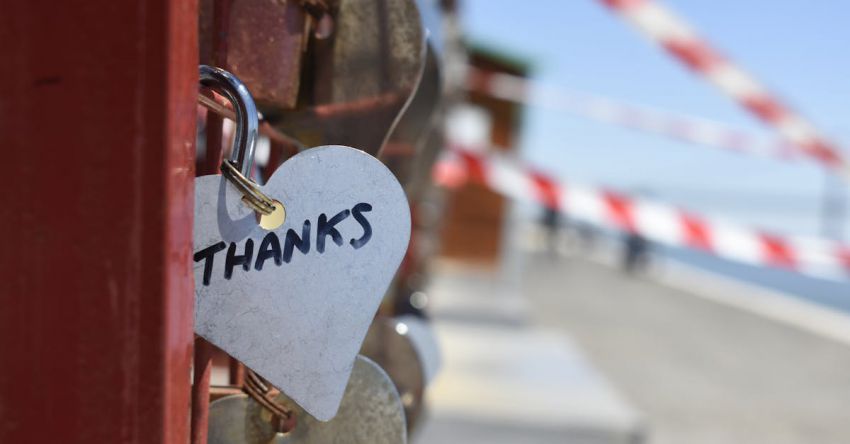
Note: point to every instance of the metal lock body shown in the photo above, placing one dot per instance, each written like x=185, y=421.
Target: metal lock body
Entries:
x=387, y=344
x=359, y=72
x=293, y=299
x=263, y=43
x=371, y=413
x=364, y=76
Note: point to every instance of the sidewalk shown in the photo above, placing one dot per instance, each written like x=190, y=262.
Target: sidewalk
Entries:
x=572, y=350
x=700, y=371
x=506, y=381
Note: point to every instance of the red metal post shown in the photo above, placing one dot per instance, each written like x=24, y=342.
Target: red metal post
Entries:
x=200, y=394
x=97, y=123
x=202, y=367
x=237, y=372
x=280, y=151
x=221, y=15
x=201, y=390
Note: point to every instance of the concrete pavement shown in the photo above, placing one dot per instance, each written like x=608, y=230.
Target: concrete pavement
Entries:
x=701, y=372
x=505, y=380
x=677, y=357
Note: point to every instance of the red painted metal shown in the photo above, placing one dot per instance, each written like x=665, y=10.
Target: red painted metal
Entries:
x=202, y=367
x=201, y=390
x=280, y=151
x=96, y=318
x=276, y=157
x=214, y=142
x=204, y=351
x=223, y=108
x=236, y=372
x=265, y=45
x=213, y=157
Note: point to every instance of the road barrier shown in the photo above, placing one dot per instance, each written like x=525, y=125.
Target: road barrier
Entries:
x=679, y=39
x=657, y=221
x=676, y=126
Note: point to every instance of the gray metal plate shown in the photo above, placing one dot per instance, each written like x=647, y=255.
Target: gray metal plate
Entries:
x=370, y=413
x=298, y=319
x=365, y=75
x=424, y=340
x=407, y=349
x=387, y=344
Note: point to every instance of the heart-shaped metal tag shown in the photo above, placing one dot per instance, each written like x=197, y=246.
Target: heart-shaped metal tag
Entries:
x=294, y=303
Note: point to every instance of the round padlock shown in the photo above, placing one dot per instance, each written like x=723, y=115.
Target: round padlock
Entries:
x=371, y=412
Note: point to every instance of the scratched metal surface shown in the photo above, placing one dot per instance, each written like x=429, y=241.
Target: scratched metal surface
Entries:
x=262, y=45
x=389, y=346
x=424, y=339
x=96, y=108
x=371, y=413
x=301, y=323
x=364, y=76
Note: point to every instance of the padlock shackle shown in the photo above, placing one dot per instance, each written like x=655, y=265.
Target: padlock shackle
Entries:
x=247, y=122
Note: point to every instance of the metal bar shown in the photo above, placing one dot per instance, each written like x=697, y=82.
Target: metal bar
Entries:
x=201, y=390
x=214, y=152
x=276, y=157
x=223, y=110
x=278, y=154
x=199, y=421
x=202, y=367
x=203, y=349
x=213, y=155
x=218, y=392
x=236, y=372
x=247, y=119
x=221, y=31
x=96, y=324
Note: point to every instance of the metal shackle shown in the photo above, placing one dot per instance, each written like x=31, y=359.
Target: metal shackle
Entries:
x=247, y=123
x=237, y=170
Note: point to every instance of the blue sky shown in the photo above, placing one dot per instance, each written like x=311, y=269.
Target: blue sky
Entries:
x=795, y=47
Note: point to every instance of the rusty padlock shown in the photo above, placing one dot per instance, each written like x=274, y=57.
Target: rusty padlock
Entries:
x=261, y=42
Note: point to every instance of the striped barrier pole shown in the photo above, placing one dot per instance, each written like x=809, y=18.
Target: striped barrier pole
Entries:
x=659, y=222
x=675, y=35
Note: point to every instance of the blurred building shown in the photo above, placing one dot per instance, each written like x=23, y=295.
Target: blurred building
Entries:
x=474, y=214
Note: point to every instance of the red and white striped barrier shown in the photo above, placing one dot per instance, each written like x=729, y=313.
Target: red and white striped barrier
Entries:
x=659, y=222
x=676, y=126
x=680, y=40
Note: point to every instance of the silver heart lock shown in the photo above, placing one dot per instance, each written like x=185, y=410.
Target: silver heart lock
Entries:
x=288, y=275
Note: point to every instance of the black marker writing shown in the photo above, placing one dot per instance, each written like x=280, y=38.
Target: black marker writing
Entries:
x=207, y=255
x=357, y=212
x=292, y=240
x=326, y=228
x=234, y=259
x=269, y=248
x=270, y=245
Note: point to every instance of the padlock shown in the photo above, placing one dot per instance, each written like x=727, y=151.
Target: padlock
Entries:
x=387, y=344
x=407, y=350
x=362, y=67
x=261, y=42
x=343, y=229
x=371, y=413
x=363, y=76
x=237, y=170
